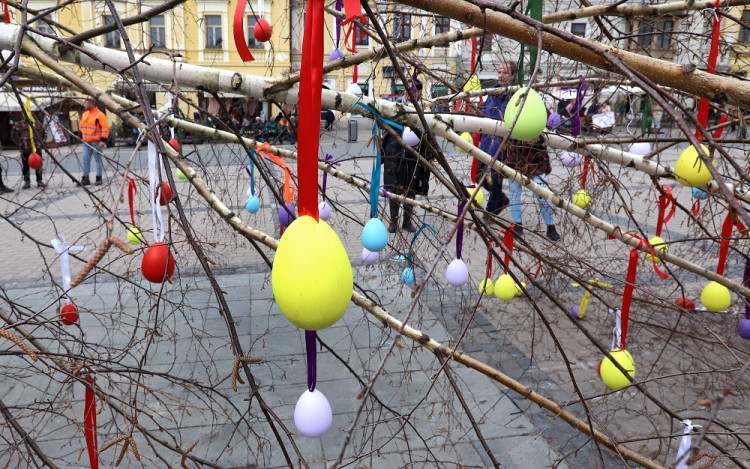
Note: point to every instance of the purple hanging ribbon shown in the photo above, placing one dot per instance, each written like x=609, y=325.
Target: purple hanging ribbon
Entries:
x=312, y=372
x=414, y=76
x=460, y=233
x=328, y=160
x=339, y=6
x=746, y=283
x=576, y=129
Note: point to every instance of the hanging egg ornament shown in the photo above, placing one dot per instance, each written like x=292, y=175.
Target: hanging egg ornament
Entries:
x=337, y=54
x=520, y=288
x=611, y=375
x=408, y=275
x=410, y=137
x=369, y=257
x=311, y=277
x=716, y=297
x=175, y=144
x=658, y=244
x=486, y=287
x=466, y=136
x=35, y=161
x=158, y=263
x=375, y=235
x=532, y=118
x=262, y=30
x=164, y=194
x=457, y=273
x=505, y=287
x=686, y=303
x=253, y=204
x=582, y=199
x=68, y=314
x=640, y=148
x=312, y=414
x=570, y=159
x=473, y=84
x=743, y=328
x=324, y=211
x=479, y=198
x=180, y=175
x=574, y=311
x=699, y=194
x=690, y=170
x=134, y=235
x=354, y=89
x=286, y=215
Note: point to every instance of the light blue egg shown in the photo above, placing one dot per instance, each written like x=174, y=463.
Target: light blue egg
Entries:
x=699, y=194
x=253, y=204
x=408, y=275
x=375, y=235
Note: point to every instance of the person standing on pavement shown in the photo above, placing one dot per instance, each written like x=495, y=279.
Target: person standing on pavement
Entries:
x=490, y=144
x=21, y=135
x=94, y=132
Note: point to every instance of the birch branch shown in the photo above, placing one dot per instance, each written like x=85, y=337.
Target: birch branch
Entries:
x=637, y=10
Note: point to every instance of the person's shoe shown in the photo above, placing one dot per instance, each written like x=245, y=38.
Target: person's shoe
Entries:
x=501, y=206
x=85, y=181
x=98, y=181
x=552, y=233
x=393, y=226
x=5, y=190
x=26, y=185
x=41, y=185
x=408, y=226
x=518, y=229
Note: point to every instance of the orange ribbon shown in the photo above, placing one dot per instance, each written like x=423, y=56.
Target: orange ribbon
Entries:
x=264, y=150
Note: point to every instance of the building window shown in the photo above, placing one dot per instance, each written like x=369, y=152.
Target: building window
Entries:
x=744, y=30
x=402, y=28
x=645, y=34
x=251, y=42
x=362, y=38
x=44, y=27
x=578, y=29
x=158, y=31
x=664, y=34
x=112, y=38
x=213, y=31
x=442, y=24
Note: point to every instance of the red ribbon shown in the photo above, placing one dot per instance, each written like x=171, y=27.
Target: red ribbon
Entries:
x=696, y=209
x=89, y=426
x=712, y=56
x=628, y=295
x=665, y=201
x=353, y=10
x=722, y=120
x=311, y=84
x=508, y=242
x=489, y=262
x=239, y=32
x=6, y=15
x=538, y=265
x=132, y=191
x=585, y=171
x=642, y=242
x=726, y=233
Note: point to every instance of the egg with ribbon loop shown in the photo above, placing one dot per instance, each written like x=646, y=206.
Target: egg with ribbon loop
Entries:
x=180, y=175
x=287, y=215
x=68, y=314
x=312, y=414
x=466, y=136
x=410, y=137
x=163, y=194
x=369, y=257
x=311, y=277
x=158, y=263
x=473, y=84
x=699, y=194
x=582, y=199
x=408, y=275
x=457, y=273
x=262, y=30
x=35, y=161
x=324, y=211
x=640, y=148
x=531, y=112
x=690, y=170
x=253, y=204
x=337, y=54
x=658, y=244
x=505, y=287
x=486, y=287
x=354, y=89
x=375, y=235
x=570, y=159
x=716, y=297
x=134, y=235
x=611, y=375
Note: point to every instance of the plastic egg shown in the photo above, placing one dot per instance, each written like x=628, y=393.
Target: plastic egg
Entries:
x=473, y=84
x=658, y=244
x=312, y=414
x=375, y=235
x=640, y=148
x=743, y=328
x=686, y=303
x=690, y=170
x=134, y=235
x=410, y=137
x=716, y=297
x=324, y=211
x=311, y=277
x=369, y=257
x=408, y=275
x=158, y=263
x=520, y=288
x=479, y=199
x=466, y=136
x=505, y=287
x=532, y=118
x=582, y=199
x=175, y=144
x=68, y=314
x=252, y=205
x=354, y=89
x=164, y=194
x=699, y=194
x=611, y=375
x=262, y=30
x=337, y=54
x=180, y=175
x=570, y=159
x=574, y=311
x=486, y=287
x=287, y=215
x=35, y=161
x=457, y=273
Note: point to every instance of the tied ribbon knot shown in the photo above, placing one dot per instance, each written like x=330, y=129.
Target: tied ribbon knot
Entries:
x=353, y=10
x=666, y=201
x=641, y=243
x=264, y=150
x=726, y=233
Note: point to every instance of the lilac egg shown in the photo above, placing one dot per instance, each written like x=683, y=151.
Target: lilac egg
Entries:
x=336, y=55
x=369, y=257
x=743, y=327
x=287, y=215
x=574, y=311
x=457, y=273
x=570, y=159
x=640, y=148
x=324, y=211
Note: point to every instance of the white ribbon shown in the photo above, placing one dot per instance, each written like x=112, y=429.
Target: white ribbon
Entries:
x=617, y=331
x=63, y=250
x=682, y=451
x=153, y=182
x=167, y=108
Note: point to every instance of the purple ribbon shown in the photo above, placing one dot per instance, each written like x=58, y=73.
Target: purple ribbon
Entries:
x=312, y=372
x=460, y=233
x=328, y=160
x=580, y=93
x=339, y=5
x=746, y=283
x=414, y=76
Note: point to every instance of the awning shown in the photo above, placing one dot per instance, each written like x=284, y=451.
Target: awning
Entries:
x=39, y=101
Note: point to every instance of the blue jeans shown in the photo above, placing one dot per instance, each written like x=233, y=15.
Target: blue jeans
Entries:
x=516, y=209
x=88, y=150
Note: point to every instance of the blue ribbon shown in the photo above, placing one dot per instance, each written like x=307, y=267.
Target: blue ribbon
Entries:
x=251, y=173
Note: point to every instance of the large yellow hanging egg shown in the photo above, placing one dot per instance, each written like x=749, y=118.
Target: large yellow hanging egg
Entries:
x=505, y=287
x=658, y=244
x=690, y=170
x=611, y=375
x=311, y=277
x=716, y=297
x=532, y=118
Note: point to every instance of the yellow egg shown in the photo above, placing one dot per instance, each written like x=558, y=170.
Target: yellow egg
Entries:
x=520, y=287
x=658, y=244
x=582, y=199
x=134, y=235
x=505, y=287
x=690, y=170
x=486, y=287
x=473, y=84
x=532, y=118
x=716, y=297
x=479, y=199
x=311, y=276
x=466, y=136
x=611, y=375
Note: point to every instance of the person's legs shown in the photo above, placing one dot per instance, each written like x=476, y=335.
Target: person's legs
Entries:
x=87, y=150
x=99, y=164
x=498, y=200
x=393, y=207
x=25, y=170
x=545, y=208
x=3, y=188
x=516, y=210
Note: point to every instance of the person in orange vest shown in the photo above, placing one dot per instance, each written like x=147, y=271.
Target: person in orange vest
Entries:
x=94, y=132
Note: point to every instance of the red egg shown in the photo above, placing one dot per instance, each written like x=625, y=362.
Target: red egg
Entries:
x=68, y=314
x=262, y=30
x=158, y=263
x=686, y=303
x=164, y=196
x=35, y=161
x=175, y=144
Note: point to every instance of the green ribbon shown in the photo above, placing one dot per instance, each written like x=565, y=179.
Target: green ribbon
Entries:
x=534, y=10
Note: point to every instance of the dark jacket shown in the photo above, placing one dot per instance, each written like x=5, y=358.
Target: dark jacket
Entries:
x=494, y=108
x=20, y=135
x=529, y=158
x=402, y=173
